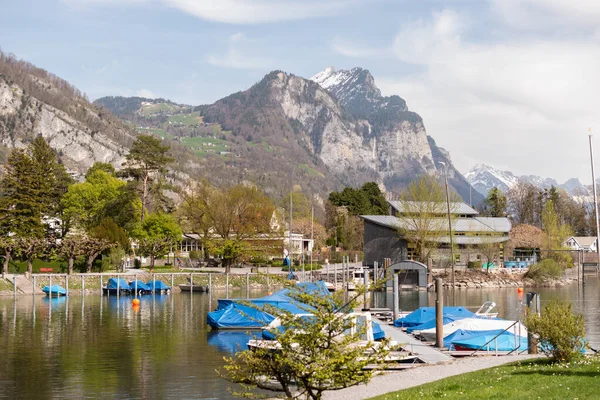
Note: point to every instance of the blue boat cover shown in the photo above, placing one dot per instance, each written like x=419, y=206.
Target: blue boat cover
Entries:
x=505, y=341
x=378, y=333
x=242, y=313
x=231, y=341
x=424, y=314
x=158, y=285
x=140, y=285
x=122, y=284
x=56, y=289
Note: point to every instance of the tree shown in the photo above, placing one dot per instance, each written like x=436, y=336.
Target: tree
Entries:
x=113, y=233
x=85, y=203
x=316, y=354
x=561, y=332
x=490, y=251
x=157, y=234
x=300, y=205
x=192, y=212
x=92, y=248
x=554, y=235
x=101, y=166
x=368, y=200
x=146, y=162
x=523, y=199
x=229, y=251
x=30, y=248
x=8, y=246
x=70, y=248
x=424, y=219
x=496, y=202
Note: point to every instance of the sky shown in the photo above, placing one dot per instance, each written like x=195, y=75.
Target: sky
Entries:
x=510, y=83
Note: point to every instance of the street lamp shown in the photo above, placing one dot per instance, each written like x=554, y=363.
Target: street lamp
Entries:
x=449, y=220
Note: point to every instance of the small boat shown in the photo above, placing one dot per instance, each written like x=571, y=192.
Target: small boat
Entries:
x=330, y=286
x=158, y=287
x=54, y=291
x=495, y=340
x=475, y=325
x=193, y=288
x=116, y=286
x=140, y=287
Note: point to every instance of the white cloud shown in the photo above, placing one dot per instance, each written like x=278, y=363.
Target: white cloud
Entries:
x=259, y=11
x=522, y=104
x=356, y=50
x=239, y=54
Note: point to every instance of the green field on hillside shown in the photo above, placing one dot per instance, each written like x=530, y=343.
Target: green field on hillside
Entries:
x=186, y=119
x=155, y=131
x=202, y=145
x=149, y=109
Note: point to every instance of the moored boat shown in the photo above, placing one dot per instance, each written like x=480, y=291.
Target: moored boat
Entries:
x=116, y=286
x=158, y=287
x=54, y=291
x=140, y=287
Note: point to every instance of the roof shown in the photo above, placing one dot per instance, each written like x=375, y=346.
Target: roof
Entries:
x=403, y=206
x=584, y=241
x=459, y=225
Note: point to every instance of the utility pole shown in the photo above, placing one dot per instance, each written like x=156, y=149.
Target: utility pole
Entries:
x=595, y=202
x=449, y=222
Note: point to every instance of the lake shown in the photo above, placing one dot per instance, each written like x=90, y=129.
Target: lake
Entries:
x=98, y=347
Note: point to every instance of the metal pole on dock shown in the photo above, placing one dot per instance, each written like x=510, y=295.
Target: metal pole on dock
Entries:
x=396, y=298
x=191, y=283
x=227, y=285
x=100, y=279
x=153, y=284
x=82, y=286
x=136, y=293
x=15, y=285
x=344, y=285
x=594, y=184
x=172, y=281
x=118, y=287
x=247, y=285
x=210, y=282
x=375, y=271
x=366, y=294
x=49, y=286
x=33, y=291
x=439, y=313
x=67, y=284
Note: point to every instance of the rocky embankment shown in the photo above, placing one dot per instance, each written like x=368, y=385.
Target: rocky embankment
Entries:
x=499, y=278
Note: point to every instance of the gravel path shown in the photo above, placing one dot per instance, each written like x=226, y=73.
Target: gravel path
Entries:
x=394, y=381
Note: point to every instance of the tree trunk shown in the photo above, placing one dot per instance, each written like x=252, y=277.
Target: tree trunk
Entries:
x=71, y=260
x=29, y=266
x=144, y=193
x=7, y=257
x=89, y=262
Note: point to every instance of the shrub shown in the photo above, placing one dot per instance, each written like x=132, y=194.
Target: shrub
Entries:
x=474, y=265
x=195, y=255
x=561, y=332
x=137, y=263
x=546, y=269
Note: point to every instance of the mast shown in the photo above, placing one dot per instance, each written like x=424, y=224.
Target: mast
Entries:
x=595, y=197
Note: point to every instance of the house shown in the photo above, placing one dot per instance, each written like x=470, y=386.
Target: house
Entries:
x=582, y=243
x=383, y=237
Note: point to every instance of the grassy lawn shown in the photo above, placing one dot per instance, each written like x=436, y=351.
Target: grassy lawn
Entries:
x=149, y=109
x=535, y=379
x=5, y=285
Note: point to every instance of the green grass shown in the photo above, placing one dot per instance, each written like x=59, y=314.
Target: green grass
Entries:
x=535, y=379
x=156, y=131
x=202, y=145
x=149, y=109
x=186, y=119
x=5, y=285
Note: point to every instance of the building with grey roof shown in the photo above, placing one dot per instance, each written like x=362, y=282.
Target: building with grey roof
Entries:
x=383, y=236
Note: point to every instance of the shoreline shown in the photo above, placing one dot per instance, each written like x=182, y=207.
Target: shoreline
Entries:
x=501, y=278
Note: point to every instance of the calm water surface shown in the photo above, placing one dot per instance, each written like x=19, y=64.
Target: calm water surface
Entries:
x=97, y=347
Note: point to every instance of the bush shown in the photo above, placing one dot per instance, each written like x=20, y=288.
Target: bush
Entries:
x=474, y=265
x=195, y=255
x=561, y=332
x=137, y=263
x=546, y=269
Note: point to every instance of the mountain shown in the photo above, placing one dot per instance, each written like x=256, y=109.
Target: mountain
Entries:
x=34, y=102
x=483, y=178
x=323, y=133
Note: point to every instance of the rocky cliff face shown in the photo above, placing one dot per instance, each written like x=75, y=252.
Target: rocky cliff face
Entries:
x=79, y=144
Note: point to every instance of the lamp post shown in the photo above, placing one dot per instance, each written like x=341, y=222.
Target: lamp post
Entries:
x=449, y=221
x=595, y=205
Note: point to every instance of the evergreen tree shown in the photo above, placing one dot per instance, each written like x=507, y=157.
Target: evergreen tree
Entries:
x=146, y=163
x=496, y=203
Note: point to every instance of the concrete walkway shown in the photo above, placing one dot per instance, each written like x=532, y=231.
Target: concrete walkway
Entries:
x=394, y=381
x=24, y=285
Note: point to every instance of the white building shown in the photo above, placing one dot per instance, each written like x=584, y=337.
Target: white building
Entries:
x=585, y=243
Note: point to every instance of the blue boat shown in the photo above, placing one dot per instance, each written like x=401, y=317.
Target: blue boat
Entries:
x=253, y=314
x=116, y=286
x=158, y=286
x=140, y=287
x=494, y=340
x=54, y=290
x=425, y=314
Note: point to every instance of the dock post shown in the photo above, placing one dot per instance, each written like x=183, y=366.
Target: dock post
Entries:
x=135, y=286
x=375, y=271
x=344, y=283
x=49, y=285
x=531, y=340
x=366, y=306
x=172, y=281
x=210, y=282
x=247, y=285
x=153, y=283
x=118, y=287
x=33, y=286
x=227, y=285
x=82, y=285
x=100, y=279
x=396, y=298
x=439, y=313
x=191, y=283
x=67, y=284
x=15, y=285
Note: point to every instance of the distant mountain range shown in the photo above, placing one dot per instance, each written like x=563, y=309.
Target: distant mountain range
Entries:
x=483, y=178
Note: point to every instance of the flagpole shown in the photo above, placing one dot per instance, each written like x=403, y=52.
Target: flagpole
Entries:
x=595, y=202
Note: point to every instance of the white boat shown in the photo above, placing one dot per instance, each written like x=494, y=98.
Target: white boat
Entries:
x=358, y=278
x=475, y=324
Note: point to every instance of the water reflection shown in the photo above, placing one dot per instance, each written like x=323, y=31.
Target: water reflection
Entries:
x=232, y=341
x=102, y=347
